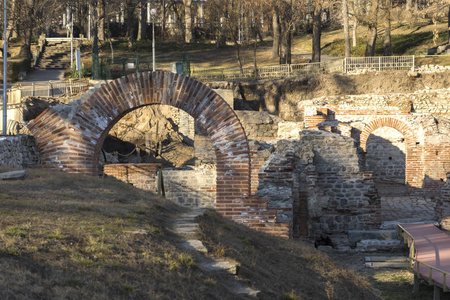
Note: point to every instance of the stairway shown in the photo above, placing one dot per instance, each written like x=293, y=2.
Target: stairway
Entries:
x=56, y=55
x=187, y=228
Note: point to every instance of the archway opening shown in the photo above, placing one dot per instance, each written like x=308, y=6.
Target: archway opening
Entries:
x=386, y=156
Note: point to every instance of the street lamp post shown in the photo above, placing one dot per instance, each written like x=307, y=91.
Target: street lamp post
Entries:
x=71, y=37
x=153, y=13
x=5, y=69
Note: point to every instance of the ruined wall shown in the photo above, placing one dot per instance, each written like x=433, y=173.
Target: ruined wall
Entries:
x=193, y=188
x=324, y=168
x=400, y=146
x=19, y=151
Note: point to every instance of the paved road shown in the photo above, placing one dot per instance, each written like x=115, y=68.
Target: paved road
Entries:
x=44, y=75
x=322, y=57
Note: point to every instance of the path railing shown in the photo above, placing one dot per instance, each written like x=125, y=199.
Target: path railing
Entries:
x=345, y=65
x=378, y=63
x=415, y=264
x=52, y=88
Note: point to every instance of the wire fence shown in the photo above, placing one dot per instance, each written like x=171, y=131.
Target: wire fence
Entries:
x=107, y=68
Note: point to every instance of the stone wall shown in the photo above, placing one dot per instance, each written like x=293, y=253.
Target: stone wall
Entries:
x=315, y=182
x=193, y=188
x=402, y=147
x=19, y=151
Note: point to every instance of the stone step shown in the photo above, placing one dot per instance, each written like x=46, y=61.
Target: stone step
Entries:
x=240, y=288
x=393, y=224
x=220, y=266
x=195, y=245
x=355, y=236
x=187, y=230
x=380, y=245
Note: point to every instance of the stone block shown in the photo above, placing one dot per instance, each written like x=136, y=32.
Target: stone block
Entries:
x=13, y=175
x=355, y=236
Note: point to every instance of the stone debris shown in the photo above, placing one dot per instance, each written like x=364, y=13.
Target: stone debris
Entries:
x=13, y=175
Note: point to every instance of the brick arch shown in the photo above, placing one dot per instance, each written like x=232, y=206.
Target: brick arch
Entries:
x=413, y=167
x=70, y=139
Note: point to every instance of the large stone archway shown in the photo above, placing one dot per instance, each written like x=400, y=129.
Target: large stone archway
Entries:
x=70, y=137
x=413, y=163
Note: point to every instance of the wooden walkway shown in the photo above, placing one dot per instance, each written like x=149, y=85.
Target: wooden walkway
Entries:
x=429, y=255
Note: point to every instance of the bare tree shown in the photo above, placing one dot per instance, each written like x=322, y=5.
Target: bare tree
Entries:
x=346, y=28
x=387, y=45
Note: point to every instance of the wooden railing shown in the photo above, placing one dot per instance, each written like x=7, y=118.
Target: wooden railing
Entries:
x=409, y=240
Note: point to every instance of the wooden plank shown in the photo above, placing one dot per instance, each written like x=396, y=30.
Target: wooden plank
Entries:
x=386, y=258
x=394, y=265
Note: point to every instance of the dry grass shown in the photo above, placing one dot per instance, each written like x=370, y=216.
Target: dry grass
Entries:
x=282, y=269
x=78, y=237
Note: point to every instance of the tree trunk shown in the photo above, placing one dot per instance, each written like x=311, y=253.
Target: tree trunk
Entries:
x=101, y=19
x=317, y=32
x=188, y=21
x=142, y=28
x=163, y=33
x=409, y=4
x=373, y=26
x=96, y=10
x=371, y=39
x=276, y=35
x=11, y=21
x=448, y=24
x=346, y=28
x=129, y=19
x=355, y=30
x=387, y=29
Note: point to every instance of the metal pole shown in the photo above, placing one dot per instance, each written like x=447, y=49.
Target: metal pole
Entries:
x=153, y=37
x=71, y=39
x=89, y=24
x=5, y=68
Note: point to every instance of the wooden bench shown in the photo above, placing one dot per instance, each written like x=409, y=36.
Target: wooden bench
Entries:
x=429, y=255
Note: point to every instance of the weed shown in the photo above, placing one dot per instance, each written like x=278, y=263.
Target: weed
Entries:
x=84, y=208
x=291, y=296
x=210, y=282
x=15, y=231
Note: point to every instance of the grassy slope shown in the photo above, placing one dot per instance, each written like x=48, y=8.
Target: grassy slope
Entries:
x=80, y=237
x=406, y=41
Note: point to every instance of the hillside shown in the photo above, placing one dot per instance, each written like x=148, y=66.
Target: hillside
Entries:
x=78, y=237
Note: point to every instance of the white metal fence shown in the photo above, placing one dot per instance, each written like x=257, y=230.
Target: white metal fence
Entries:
x=52, y=88
x=346, y=65
x=379, y=63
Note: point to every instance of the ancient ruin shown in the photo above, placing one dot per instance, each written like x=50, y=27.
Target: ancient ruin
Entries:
x=335, y=168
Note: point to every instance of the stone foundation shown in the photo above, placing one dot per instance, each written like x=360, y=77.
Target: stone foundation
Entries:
x=19, y=151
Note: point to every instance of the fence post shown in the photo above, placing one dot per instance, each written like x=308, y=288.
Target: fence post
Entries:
x=289, y=70
x=137, y=63
x=223, y=75
x=379, y=63
x=32, y=89
x=49, y=85
x=123, y=67
x=345, y=65
x=413, y=64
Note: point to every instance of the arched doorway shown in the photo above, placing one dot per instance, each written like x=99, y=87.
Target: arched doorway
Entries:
x=413, y=166
x=70, y=138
